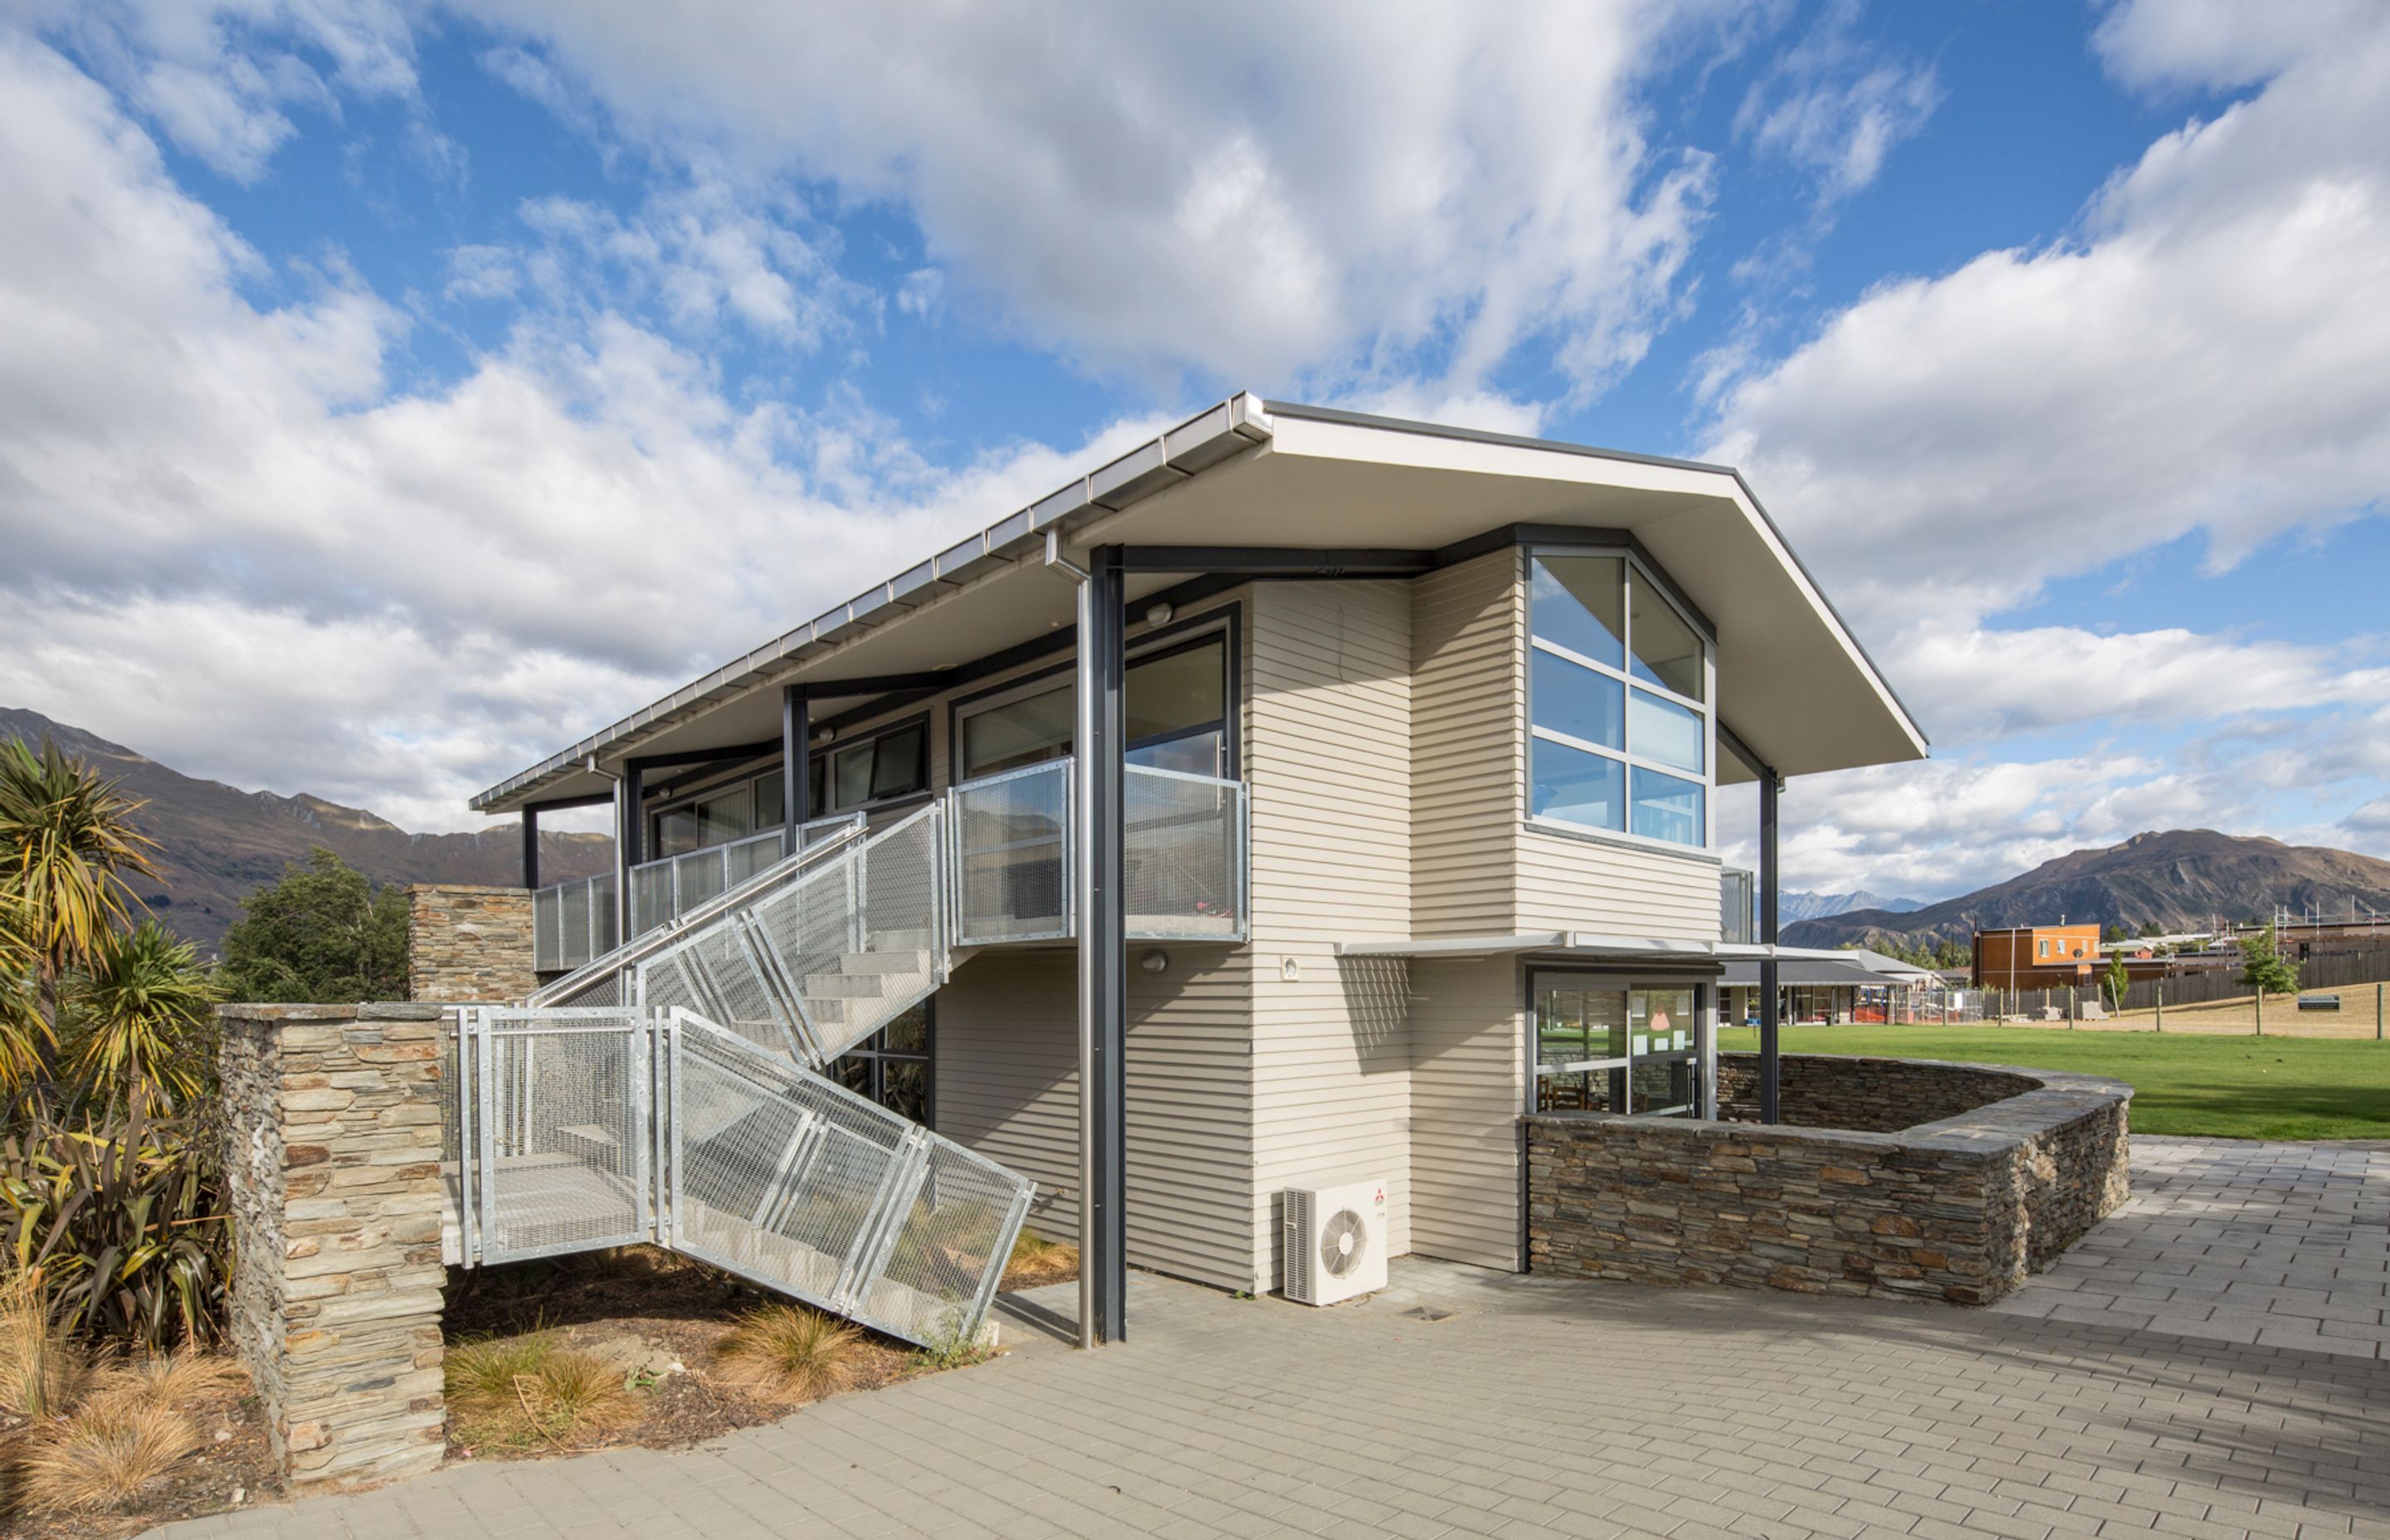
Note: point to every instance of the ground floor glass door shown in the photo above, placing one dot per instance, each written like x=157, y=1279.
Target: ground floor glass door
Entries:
x=1612, y=1045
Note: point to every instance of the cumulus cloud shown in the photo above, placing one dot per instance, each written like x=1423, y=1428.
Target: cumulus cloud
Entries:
x=2203, y=355
x=1836, y=106
x=232, y=544
x=1260, y=194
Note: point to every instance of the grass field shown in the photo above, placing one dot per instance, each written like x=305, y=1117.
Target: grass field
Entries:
x=2229, y=1087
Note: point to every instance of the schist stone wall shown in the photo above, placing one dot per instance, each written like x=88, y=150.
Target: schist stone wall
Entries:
x=469, y=944
x=2018, y=1165
x=333, y=1172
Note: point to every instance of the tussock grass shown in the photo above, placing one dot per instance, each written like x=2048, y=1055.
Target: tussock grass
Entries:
x=514, y=1392
x=42, y=1370
x=792, y=1352
x=1037, y=1260
x=167, y=1379
x=102, y=1457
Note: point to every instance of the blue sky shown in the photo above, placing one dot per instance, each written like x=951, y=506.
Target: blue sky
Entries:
x=390, y=392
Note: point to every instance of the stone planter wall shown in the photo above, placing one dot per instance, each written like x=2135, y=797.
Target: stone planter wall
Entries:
x=333, y=1172
x=1878, y=1095
x=469, y=946
x=1960, y=1209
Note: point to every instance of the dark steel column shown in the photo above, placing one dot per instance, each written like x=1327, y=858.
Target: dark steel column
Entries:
x=1770, y=1051
x=796, y=794
x=531, y=848
x=1103, y=933
x=630, y=818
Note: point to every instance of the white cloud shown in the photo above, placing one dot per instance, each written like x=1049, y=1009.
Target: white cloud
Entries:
x=1268, y=195
x=1836, y=106
x=233, y=545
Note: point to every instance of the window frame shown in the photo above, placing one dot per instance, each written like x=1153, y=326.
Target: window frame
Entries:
x=1634, y=569
x=1705, y=1024
x=820, y=757
x=1179, y=636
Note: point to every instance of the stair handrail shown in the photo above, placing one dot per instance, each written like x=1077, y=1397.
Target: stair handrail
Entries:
x=648, y=943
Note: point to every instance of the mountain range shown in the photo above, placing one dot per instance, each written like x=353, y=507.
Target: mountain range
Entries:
x=1797, y=906
x=217, y=844
x=2178, y=878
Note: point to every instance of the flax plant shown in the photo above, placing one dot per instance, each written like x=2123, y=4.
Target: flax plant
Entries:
x=68, y=851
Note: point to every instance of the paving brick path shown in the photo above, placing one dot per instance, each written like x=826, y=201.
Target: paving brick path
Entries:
x=1542, y=1407
x=2280, y=1245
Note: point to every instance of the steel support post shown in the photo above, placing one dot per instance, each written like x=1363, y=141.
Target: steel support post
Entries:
x=796, y=794
x=1103, y=1003
x=1771, y=1024
x=531, y=848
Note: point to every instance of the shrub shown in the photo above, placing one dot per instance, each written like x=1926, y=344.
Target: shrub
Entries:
x=792, y=1351
x=122, y=1216
x=323, y=933
x=101, y=1457
x=515, y=1392
x=41, y=1370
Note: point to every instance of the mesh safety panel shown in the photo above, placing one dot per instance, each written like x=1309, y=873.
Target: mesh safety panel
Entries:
x=1184, y=842
x=949, y=1250
x=1012, y=850
x=576, y=939
x=605, y=988
x=651, y=897
x=750, y=856
x=780, y=1176
x=601, y=915
x=566, y=1133
x=548, y=930
x=696, y=877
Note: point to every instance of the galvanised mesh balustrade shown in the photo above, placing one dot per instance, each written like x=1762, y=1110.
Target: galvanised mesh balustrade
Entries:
x=669, y=1090
x=586, y=1128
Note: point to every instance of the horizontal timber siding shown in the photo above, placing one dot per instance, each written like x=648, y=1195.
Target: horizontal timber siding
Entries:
x=1329, y=761
x=1468, y=1083
x=1572, y=884
x=1468, y=704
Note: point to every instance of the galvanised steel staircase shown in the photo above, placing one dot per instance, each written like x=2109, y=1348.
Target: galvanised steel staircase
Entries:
x=672, y=1091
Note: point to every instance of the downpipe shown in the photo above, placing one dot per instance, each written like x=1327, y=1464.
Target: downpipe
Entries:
x=1082, y=880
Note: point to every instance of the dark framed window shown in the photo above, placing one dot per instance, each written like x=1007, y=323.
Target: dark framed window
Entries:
x=1612, y=1045
x=1618, y=703
x=1178, y=708
x=893, y=1066
x=891, y=763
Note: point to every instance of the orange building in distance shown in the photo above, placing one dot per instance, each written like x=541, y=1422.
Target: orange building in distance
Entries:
x=2037, y=956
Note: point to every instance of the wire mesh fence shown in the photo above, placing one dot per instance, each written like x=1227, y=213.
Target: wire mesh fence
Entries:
x=584, y=1128
x=573, y=923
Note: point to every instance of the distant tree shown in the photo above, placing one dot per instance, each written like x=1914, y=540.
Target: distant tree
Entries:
x=2115, y=933
x=2119, y=980
x=320, y=935
x=2151, y=927
x=2263, y=965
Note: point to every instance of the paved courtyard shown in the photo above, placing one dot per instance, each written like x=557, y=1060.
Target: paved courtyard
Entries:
x=1539, y=1407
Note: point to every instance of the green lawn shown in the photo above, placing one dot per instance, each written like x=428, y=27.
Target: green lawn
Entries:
x=2231, y=1087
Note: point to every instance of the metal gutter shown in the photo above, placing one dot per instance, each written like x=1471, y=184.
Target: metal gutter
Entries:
x=1203, y=441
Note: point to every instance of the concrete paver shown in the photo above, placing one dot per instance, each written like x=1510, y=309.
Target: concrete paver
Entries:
x=1545, y=1407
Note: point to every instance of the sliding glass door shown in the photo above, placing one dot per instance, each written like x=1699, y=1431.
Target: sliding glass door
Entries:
x=1605, y=1043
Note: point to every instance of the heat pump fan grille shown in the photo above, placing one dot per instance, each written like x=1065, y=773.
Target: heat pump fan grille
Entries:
x=1343, y=1241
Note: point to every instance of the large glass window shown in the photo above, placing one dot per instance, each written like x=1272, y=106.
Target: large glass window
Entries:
x=1617, y=1049
x=1174, y=709
x=893, y=1066
x=1618, y=686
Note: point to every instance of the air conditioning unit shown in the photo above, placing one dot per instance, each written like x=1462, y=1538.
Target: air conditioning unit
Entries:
x=1335, y=1241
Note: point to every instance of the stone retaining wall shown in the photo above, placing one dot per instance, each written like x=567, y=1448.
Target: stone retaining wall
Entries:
x=333, y=1172
x=467, y=944
x=1959, y=1209
x=1879, y=1095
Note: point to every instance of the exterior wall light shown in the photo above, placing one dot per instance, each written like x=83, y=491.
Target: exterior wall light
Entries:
x=1154, y=961
x=1158, y=614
